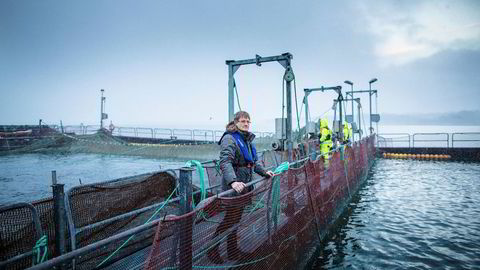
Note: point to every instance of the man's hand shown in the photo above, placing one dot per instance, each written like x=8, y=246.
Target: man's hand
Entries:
x=270, y=174
x=238, y=186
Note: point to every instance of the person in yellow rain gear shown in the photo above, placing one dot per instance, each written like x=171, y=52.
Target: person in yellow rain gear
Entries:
x=347, y=133
x=325, y=140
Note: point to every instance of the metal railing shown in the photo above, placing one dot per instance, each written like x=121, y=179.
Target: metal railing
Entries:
x=430, y=140
x=467, y=137
x=397, y=138
x=157, y=133
x=162, y=133
x=445, y=140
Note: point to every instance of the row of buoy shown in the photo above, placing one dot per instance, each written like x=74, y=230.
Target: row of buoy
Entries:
x=416, y=156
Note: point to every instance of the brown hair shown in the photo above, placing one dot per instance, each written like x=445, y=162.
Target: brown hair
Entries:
x=231, y=126
x=240, y=114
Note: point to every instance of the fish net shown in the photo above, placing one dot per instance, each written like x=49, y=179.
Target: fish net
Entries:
x=273, y=227
x=152, y=143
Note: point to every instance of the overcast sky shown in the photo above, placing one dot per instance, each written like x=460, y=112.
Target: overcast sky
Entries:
x=162, y=63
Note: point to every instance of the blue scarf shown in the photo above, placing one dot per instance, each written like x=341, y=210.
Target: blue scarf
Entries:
x=244, y=148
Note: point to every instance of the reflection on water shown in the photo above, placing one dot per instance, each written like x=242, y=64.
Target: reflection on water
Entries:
x=409, y=214
x=28, y=177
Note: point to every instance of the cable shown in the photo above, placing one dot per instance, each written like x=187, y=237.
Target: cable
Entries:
x=363, y=118
x=283, y=104
x=236, y=92
x=296, y=103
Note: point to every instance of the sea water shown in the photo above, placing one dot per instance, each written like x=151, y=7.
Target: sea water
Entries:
x=28, y=177
x=410, y=214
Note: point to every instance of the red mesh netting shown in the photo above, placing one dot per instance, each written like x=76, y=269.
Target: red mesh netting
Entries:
x=270, y=227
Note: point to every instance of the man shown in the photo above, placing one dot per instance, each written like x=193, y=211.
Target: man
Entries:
x=325, y=140
x=238, y=156
x=238, y=161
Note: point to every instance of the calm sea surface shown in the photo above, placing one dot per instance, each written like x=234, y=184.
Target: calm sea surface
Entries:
x=410, y=214
x=28, y=177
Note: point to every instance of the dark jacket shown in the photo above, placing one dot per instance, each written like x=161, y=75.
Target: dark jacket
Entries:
x=233, y=165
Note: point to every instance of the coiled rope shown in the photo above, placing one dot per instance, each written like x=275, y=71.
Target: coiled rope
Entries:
x=38, y=257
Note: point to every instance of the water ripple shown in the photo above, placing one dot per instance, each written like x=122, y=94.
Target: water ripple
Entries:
x=410, y=215
x=27, y=177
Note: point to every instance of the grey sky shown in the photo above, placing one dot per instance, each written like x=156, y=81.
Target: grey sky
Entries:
x=162, y=63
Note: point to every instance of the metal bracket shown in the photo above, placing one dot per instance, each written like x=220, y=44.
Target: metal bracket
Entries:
x=235, y=68
x=258, y=58
x=289, y=76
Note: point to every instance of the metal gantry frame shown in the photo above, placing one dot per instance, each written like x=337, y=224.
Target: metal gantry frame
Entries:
x=371, y=92
x=359, y=105
x=351, y=94
x=308, y=91
x=285, y=61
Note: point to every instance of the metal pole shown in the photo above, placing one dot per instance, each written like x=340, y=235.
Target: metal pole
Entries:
x=187, y=223
x=353, y=118
x=231, y=104
x=359, y=123
x=289, y=119
x=370, y=97
x=59, y=215
x=351, y=93
x=340, y=100
x=305, y=100
x=101, y=109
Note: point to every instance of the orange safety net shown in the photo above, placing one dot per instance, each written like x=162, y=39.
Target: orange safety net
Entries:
x=272, y=227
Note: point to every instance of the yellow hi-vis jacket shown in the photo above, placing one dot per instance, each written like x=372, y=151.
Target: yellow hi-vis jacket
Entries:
x=347, y=132
x=325, y=140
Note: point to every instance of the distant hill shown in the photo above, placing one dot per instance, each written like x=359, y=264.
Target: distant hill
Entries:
x=461, y=118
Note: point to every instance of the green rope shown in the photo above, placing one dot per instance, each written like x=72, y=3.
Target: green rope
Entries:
x=131, y=237
x=201, y=173
x=276, y=189
x=203, y=193
x=41, y=243
x=282, y=168
x=275, y=199
x=217, y=166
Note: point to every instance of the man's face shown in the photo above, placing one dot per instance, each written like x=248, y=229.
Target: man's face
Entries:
x=243, y=124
